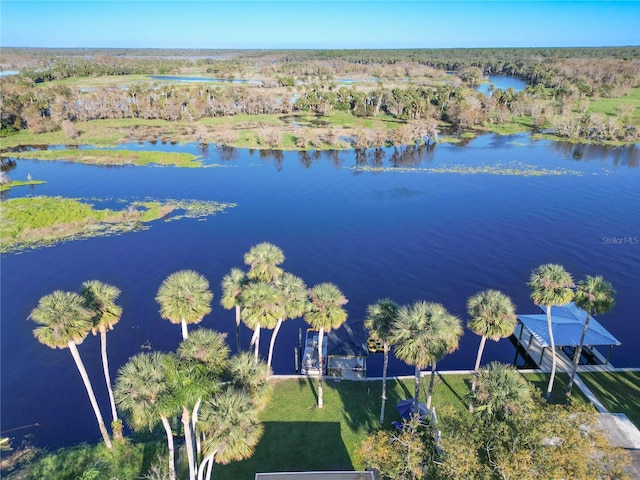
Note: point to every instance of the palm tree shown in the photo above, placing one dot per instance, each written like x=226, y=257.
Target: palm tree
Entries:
x=551, y=285
x=493, y=316
x=263, y=260
x=100, y=298
x=422, y=334
x=292, y=293
x=184, y=297
x=231, y=430
x=251, y=378
x=501, y=392
x=233, y=284
x=143, y=392
x=207, y=354
x=65, y=323
x=380, y=318
x=595, y=296
x=324, y=313
x=260, y=308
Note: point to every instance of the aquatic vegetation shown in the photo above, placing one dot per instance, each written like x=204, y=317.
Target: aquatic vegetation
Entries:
x=511, y=168
x=113, y=157
x=34, y=222
x=20, y=183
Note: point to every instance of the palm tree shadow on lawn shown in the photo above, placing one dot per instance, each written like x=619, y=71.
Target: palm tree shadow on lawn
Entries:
x=361, y=402
x=292, y=446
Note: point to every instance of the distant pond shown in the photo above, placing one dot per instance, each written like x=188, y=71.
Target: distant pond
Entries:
x=172, y=78
x=436, y=224
x=502, y=82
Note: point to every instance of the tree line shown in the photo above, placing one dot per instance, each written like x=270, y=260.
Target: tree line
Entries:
x=292, y=81
x=214, y=399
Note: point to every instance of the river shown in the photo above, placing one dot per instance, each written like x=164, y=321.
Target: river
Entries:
x=424, y=227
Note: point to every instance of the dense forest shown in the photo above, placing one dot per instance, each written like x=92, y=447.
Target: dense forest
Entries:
x=435, y=87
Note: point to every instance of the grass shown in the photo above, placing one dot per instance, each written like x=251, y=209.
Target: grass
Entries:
x=35, y=222
x=299, y=436
x=20, y=183
x=114, y=157
x=611, y=106
x=507, y=169
x=619, y=392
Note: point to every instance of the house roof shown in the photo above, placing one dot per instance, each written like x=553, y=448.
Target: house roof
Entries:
x=567, y=324
x=315, y=476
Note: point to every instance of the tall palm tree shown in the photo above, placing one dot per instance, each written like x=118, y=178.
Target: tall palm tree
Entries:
x=231, y=430
x=190, y=382
x=422, y=334
x=143, y=392
x=292, y=298
x=260, y=308
x=595, y=296
x=501, y=392
x=551, y=285
x=325, y=312
x=380, y=318
x=206, y=353
x=65, y=323
x=184, y=297
x=263, y=260
x=493, y=316
x=100, y=298
x=233, y=284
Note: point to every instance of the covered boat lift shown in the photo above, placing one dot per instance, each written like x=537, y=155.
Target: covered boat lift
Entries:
x=567, y=324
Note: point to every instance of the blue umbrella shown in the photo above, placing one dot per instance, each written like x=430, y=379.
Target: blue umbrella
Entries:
x=405, y=408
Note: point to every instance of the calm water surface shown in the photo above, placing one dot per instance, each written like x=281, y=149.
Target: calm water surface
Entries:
x=400, y=233
x=503, y=82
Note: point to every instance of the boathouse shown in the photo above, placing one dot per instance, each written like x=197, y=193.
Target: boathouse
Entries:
x=567, y=321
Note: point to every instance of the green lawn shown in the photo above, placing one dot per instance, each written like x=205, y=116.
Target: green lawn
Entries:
x=299, y=436
x=619, y=392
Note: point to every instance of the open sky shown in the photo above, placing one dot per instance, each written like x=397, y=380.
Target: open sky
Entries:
x=318, y=24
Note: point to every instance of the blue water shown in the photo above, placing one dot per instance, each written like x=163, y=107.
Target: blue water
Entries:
x=171, y=78
x=408, y=235
x=502, y=82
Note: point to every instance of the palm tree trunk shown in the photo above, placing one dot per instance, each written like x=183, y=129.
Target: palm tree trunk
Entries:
x=194, y=421
x=417, y=390
x=117, y=432
x=273, y=341
x=255, y=341
x=430, y=393
x=553, y=353
x=320, y=369
x=185, y=333
x=576, y=355
x=209, y=469
x=238, y=328
x=474, y=381
x=207, y=462
x=188, y=441
x=167, y=429
x=384, y=380
x=87, y=384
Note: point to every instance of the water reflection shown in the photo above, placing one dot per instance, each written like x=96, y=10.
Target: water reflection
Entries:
x=619, y=156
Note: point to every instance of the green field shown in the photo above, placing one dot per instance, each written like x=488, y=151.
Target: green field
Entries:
x=619, y=392
x=113, y=157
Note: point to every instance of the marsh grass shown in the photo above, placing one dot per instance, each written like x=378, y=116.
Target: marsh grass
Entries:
x=508, y=169
x=114, y=157
x=35, y=222
x=20, y=183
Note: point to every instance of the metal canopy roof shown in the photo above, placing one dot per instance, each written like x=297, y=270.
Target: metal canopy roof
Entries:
x=567, y=323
